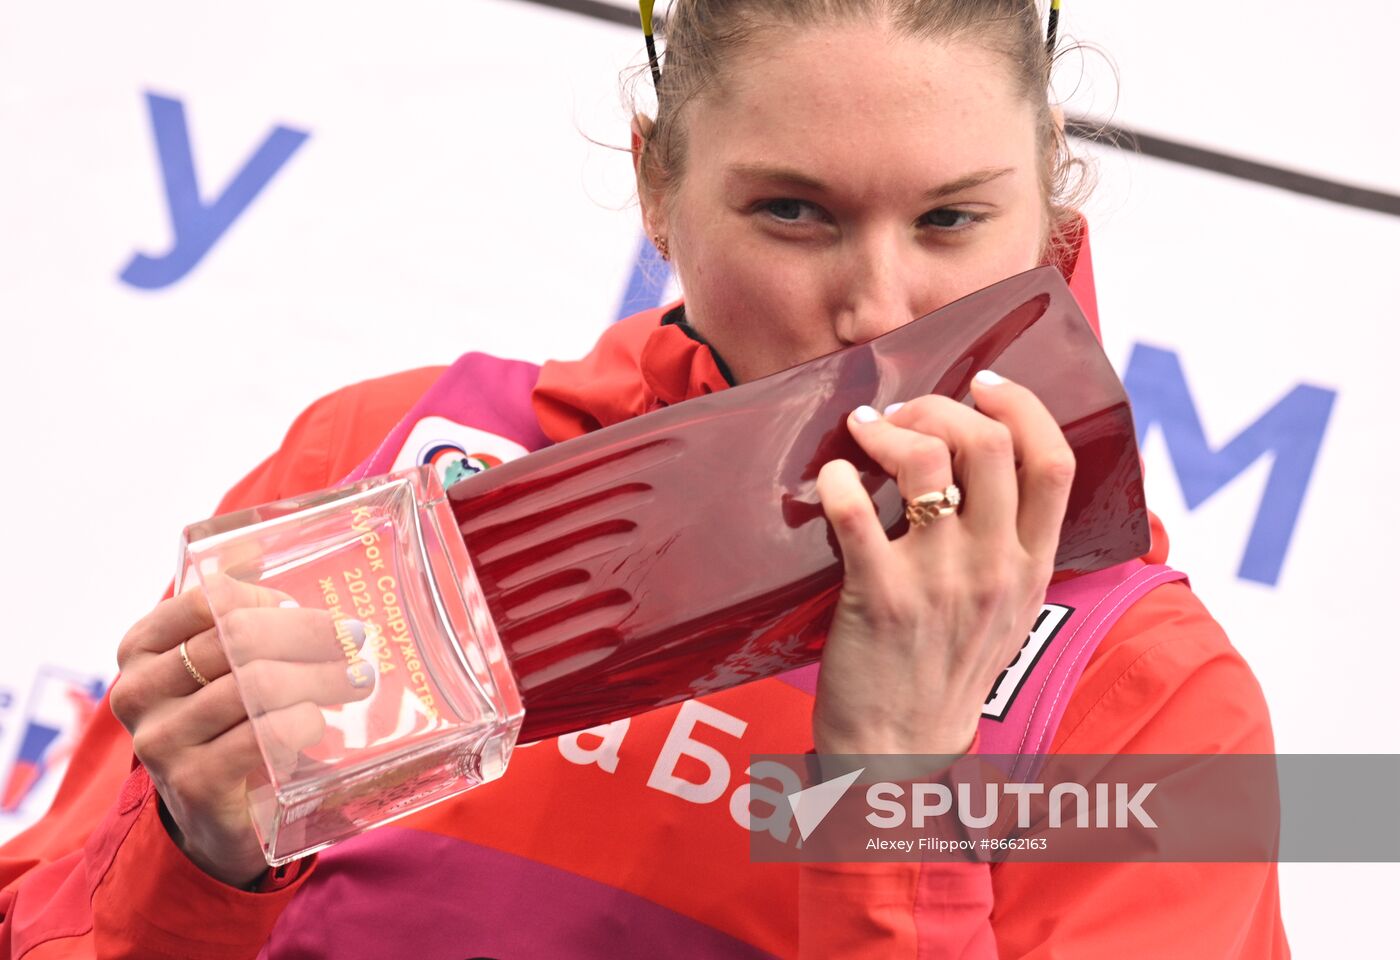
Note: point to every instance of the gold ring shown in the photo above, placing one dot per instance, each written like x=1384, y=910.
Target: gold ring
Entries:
x=189, y=667
x=924, y=509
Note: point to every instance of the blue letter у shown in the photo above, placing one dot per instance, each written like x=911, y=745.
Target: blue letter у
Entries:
x=1292, y=430
x=197, y=226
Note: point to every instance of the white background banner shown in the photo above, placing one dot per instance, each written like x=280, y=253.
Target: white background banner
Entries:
x=212, y=214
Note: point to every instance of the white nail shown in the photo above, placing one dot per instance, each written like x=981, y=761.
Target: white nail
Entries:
x=989, y=378
x=289, y=604
x=889, y=411
x=361, y=674
x=866, y=414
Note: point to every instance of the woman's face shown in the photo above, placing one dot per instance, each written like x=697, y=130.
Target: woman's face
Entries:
x=844, y=183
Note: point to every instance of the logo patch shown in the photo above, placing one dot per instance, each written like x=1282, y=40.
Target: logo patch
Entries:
x=455, y=451
x=1052, y=617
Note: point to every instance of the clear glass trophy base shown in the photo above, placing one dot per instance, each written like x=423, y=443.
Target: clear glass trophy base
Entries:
x=356, y=633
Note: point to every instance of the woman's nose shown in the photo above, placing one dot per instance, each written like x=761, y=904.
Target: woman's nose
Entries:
x=876, y=297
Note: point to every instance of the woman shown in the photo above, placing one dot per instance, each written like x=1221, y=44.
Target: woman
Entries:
x=819, y=172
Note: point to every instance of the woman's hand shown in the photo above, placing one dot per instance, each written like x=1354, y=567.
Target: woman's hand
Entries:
x=196, y=741
x=927, y=622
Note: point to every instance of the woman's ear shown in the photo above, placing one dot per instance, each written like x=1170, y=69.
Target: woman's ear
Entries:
x=642, y=127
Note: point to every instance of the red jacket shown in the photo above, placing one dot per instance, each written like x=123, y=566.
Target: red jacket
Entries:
x=98, y=878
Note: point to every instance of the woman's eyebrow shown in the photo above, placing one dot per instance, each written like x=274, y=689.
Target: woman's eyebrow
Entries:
x=789, y=176
x=967, y=182
x=775, y=174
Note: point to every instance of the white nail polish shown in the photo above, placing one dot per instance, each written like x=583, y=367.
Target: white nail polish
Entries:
x=289, y=604
x=989, y=378
x=889, y=411
x=866, y=414
x=361, y=675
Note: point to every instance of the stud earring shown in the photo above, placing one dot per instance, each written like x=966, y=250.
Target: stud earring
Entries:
x=662, y=247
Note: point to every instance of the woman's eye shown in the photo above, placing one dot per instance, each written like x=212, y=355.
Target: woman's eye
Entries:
x=949, y=218
x=789, y=210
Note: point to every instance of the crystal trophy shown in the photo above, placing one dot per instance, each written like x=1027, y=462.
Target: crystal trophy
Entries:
x=669, y=556
x=393, y=694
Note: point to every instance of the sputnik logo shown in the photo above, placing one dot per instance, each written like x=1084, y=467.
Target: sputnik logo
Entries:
x=810, y=806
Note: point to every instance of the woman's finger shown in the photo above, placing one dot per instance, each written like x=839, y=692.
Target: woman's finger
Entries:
x=184, y=722
x=236, y=753
x=983, y=458
x=189, y=614
x=206, y=657
x=262, y=633
x=865, y=548
x=1046, y=463
x=272, y=685
x=161, y=630
x=919, y=462
x=269, y=685
x=300, y=635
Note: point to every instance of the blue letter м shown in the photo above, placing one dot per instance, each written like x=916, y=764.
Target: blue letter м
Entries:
x=1292, y=430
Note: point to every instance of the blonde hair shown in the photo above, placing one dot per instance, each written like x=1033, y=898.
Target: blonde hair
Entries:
x=702, y=37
